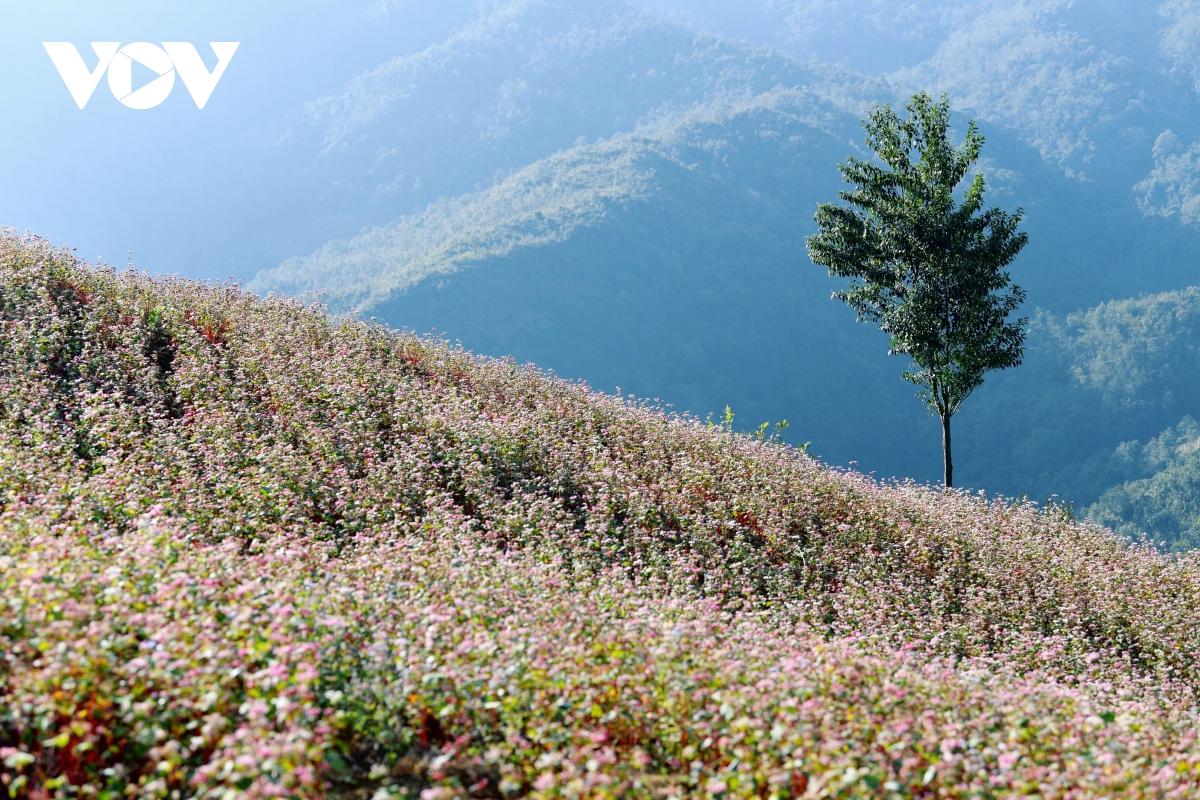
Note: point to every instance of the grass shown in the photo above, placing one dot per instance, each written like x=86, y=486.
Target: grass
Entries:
x=248, y=550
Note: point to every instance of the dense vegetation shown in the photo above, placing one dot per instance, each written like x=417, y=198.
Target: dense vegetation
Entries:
x=249, y=550
x=1163, y=499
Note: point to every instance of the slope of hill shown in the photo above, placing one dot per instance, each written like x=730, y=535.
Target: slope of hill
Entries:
x=250, y=549
x=1092, y=84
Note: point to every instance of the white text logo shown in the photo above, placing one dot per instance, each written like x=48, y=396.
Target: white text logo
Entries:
x=165, y=61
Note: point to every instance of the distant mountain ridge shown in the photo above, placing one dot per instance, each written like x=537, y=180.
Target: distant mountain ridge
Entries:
x=1090, y=85
x=542, y=203
x=548, y=200
x=534, y=77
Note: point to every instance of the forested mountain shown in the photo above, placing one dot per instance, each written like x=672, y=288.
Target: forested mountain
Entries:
x=1094, y=383
x=1163, y=499
x=658, y=244
x=1104, y=91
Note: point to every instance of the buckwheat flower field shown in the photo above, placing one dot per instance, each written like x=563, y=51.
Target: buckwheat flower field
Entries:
x=249, y=550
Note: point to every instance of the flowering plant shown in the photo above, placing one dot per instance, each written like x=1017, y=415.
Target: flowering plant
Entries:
x=249, y=550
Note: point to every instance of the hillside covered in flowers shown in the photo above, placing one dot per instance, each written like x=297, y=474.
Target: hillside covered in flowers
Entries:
x=249, y=550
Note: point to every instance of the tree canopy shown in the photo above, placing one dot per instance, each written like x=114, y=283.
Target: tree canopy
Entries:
x=925, y=267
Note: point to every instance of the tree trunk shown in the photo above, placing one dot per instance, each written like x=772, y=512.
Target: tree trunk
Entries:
x=949, y=460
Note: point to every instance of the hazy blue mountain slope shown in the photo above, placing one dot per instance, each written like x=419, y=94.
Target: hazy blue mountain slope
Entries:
x=533, y=77
x=1088, y=243
x=1083, y=240
x=549, y=199
x=1105, y=89
x=1091, y=83
x=527, y=79
x=1103, y=92
x=871, y=36
x=1086, y=83
x=542, y=203
x=1162, y=498
x=1122, y=371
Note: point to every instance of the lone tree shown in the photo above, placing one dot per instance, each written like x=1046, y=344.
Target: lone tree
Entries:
x=930, y=271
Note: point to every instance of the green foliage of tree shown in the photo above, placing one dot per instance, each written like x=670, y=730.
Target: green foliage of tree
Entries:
x=929, y=270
